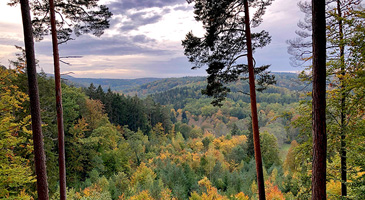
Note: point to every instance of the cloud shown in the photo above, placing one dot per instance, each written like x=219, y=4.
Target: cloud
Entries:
x=145, y=40
x=10, y=41
x=134, y=66
x=142, y=39
x=140, y=19
x=90, y=45
x=183, y=7
x=280, y=21
x=120, y=7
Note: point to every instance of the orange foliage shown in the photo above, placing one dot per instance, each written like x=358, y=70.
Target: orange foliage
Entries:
x=273, y=192
x=90, y=191
x=166, y=194
x=233, y=119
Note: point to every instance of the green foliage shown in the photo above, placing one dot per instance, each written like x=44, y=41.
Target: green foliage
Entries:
x=134, y=112
x=223, y=44
x=119, y=85
x=269, y=150
x=16, y=176
x=76, y=18
x=158, y=159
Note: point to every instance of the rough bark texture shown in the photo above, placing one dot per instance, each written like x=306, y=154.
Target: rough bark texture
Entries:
x=39, y=156
x=343, y=100
x=255, y=126
x=319, y=100
x=61, y=138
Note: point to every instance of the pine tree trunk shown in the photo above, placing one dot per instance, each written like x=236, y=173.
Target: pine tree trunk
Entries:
x=255, y=126
x=39, y=156
x=319, y=101
x=61, y=138
x=343, y=100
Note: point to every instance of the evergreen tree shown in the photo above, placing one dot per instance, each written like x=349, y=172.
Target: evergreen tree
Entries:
x=184, y=118
x=235, y=130
x=73, y=18
x=250, y=145
x=224, y=43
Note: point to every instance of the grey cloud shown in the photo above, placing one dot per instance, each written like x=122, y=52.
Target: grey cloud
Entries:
x=166, y=10
x=138, y=19
x=122, y=6
x=175, y=67
x=87, y=45
x=142, y=39
x=8, y=41
x=184, y=8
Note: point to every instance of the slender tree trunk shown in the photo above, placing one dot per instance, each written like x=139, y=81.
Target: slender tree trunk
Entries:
x=343, y=100
x=319, y=101
x=39, y=156
x=255, y=126
x=61, y=138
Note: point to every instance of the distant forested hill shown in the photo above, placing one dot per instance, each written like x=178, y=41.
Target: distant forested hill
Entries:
x=284, y=80
x=148, y=86
x=117, y=85
x=166, y=84
x=181, y=98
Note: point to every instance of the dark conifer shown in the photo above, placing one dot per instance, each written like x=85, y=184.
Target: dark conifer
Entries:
x=74, y=17
x=225, y=43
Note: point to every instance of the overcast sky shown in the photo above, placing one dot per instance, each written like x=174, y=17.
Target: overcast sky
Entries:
x=144, y=40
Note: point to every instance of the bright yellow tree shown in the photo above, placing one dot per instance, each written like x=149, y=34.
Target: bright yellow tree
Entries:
x=15, y=139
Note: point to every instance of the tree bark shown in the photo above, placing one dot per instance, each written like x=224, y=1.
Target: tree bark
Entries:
x=255, y=126
x=343, y=100
x=39, y=156
x=319, y=101
x=61, y=138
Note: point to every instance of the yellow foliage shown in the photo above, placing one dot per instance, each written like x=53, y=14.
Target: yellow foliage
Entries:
x=94, y=113
x=217, y=143
x=241, y=196
x=164, y=154
x=158, y=129
x=144, y=195
x=195, y=196
x=143, y=175
x=91, y=192
x=208, y=134
x=15, y=139
x=333, y=189
x=196, y=145
x=211, y=194
x=228, y=145
x=166, y=194
x=212, y=155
